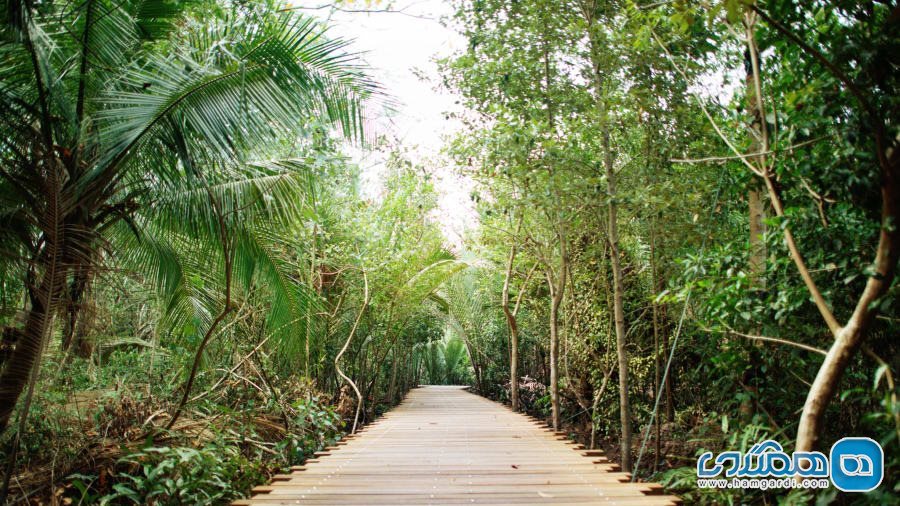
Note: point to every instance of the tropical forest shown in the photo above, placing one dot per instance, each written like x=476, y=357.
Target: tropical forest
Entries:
x=238, y=236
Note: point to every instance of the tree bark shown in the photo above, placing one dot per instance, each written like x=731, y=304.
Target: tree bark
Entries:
x=852, y=335
x=513, y=334
x=759, y=143
x=554, y=362
x=337, y=358
x=656, y=359
x=392, y=386
x=849, y=337
x=618, y=310
x=590, y=12
x=757, y=261
x=557, y=292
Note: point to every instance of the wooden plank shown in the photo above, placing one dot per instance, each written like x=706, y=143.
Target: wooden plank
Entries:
x=444, y=445
x=461, y=499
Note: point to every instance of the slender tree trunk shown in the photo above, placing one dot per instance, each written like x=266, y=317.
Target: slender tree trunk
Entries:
x=613, y=238
x=849, y=337
x=337, y=358
x=656, y=284
x=759, y=143
x=309, y=318
x=667, y=384
x=656, y=359
x=557, y=292
x=403, y=384
x=618, y=310
x=554, y=362
x=513, y=333
x=392, y=386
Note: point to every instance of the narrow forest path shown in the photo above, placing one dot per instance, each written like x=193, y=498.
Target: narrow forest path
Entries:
x=444, y=445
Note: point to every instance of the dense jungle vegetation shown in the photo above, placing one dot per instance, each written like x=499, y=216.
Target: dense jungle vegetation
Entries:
x=687, y=238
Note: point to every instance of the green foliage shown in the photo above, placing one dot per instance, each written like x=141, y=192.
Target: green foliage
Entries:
x=445, y=361
x=168, y=165
x=668, y=82
x=167, y=475
x=195, y=148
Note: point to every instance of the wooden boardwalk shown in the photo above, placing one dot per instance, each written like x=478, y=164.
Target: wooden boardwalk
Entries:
x=444, y=445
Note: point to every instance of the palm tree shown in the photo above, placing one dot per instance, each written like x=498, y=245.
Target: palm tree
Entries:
x=463, y=306
x=116, y=115
x=454, y=352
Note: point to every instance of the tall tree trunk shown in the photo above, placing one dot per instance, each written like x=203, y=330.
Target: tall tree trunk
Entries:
x=667, y=384
x=392, y=386
x=554, y=362
x=557, y=292
x=853, y=333
x=849, y=337
x=613, y=238
x=618, y=310
x=312, y=282
x=759, y=143
x=513, y=333
x=656, y=359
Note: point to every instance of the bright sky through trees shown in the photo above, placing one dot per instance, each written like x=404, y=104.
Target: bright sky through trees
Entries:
x=401, y=45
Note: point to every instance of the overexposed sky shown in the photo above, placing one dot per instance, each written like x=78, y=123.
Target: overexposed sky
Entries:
x=401, y=47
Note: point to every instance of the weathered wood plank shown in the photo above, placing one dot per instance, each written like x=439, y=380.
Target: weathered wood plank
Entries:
x=444, y=445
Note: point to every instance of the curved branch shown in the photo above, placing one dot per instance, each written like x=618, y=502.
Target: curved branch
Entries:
x=777, y=340
x=796, y=256
x=228, y=257
x=340, y=354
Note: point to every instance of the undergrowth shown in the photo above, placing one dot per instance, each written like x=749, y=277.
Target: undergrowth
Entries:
x=98, y=436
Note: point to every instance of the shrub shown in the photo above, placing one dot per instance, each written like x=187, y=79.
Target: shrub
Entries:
x=215, y=473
